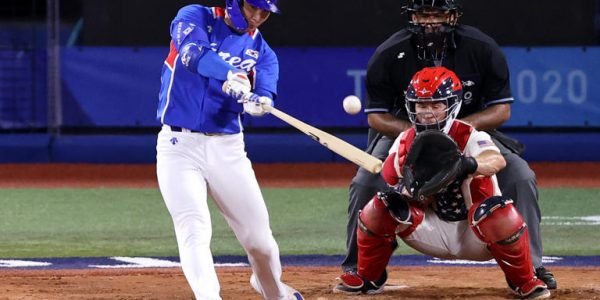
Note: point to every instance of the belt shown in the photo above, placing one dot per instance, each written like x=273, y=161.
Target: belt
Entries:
x=180, y=129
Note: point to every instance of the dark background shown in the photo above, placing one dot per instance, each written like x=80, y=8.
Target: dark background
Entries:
x=325, y=23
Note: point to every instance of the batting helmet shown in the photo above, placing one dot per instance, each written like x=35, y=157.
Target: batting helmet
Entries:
x=234, y=9
x=432, y=39
x=435, y=84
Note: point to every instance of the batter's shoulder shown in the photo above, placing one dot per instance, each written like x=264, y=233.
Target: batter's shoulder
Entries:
x=197, y=12
x=267, y=53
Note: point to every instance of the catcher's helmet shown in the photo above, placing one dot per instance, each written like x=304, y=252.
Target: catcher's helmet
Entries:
x=432, y=39
x=234, y=9
x=432, y=85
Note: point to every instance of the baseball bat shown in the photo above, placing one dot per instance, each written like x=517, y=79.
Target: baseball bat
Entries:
x=333, y=143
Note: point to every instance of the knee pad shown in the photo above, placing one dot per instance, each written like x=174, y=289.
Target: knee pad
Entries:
x=375, y=219
x=397, y=205
x=496, y=220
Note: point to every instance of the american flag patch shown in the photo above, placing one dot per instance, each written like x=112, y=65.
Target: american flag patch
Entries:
x=485, y=143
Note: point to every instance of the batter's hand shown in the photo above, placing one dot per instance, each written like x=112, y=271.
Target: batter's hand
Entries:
x=237, y=84
x=256, y=105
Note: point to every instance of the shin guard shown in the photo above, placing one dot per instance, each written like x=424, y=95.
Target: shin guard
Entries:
x=498, y=223
x=375, y=239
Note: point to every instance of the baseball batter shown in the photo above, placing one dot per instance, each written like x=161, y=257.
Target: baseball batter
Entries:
x=217, y=56
x=466, y=219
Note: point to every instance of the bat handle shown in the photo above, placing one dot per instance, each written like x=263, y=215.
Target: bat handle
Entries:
x=377, y=168
x=268, y=108
x=251, y=97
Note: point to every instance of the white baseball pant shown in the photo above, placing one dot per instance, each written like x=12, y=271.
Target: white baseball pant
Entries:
x=447, y=240
x=190, y=165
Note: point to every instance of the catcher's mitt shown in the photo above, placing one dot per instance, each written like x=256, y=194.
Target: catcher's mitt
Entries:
x=432, y=163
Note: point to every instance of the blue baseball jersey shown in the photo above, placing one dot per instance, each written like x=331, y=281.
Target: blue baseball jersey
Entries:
x=190, y=100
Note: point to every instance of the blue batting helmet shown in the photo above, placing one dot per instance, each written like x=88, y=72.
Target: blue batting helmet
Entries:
x=237, y=17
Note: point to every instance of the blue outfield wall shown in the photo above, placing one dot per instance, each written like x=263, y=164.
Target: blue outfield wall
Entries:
x=108, y=86
x=118, y=87
x=261, y=148
x=25, y=148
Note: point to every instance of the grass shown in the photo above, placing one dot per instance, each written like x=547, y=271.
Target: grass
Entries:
x=135, y=222
x=573, y=239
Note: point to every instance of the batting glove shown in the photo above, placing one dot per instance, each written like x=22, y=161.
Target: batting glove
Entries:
x=237, y=84
x=256, y=105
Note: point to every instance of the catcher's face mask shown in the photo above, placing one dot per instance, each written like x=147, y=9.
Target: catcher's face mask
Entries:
x=433, y=99
x=433, y=24
x=431, y=113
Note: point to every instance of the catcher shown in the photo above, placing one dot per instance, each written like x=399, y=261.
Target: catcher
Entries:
x=444, y=199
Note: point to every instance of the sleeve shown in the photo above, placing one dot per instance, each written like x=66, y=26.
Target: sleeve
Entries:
x=191, y=39
x=188, y=26
x=266, y=74
x=381, y=93
x=391, y=166
x=388, y=171
x=496, y=81
x=478, y=142
x=396, y=144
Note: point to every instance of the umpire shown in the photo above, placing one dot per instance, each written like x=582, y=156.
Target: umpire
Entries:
x=433, y=37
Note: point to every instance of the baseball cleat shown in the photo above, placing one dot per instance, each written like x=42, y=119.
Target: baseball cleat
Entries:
x=539, y=293
x=292, y=293
x=547, y=277
x=348, y=284
x=352, y=284
x=534, y=289
x=297, y=296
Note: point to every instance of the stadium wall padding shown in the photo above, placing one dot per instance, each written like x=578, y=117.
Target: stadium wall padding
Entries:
x=261, y=148
x=118, y=87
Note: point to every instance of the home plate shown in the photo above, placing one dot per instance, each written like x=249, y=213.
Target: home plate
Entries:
x=394, y=287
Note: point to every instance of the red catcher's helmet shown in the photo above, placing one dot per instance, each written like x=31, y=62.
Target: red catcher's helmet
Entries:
x=432, y=85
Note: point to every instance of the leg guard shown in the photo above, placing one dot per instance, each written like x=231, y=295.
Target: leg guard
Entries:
x=362, y=189
x=375, y=237
x=408, y=214
x=517, y=181
x=497, y=222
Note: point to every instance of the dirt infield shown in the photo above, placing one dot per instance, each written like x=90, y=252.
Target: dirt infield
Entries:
x=314, y=282
x=269, y=175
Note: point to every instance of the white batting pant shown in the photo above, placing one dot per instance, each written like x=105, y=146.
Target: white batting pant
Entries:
x=187, y=165
x=447, y=240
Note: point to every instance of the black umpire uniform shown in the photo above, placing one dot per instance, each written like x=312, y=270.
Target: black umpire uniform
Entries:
x=480, y=64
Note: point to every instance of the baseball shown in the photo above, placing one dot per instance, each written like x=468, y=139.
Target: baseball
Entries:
x=352, y=104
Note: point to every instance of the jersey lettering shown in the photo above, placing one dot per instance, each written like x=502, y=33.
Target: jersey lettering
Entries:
x=236, y=61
